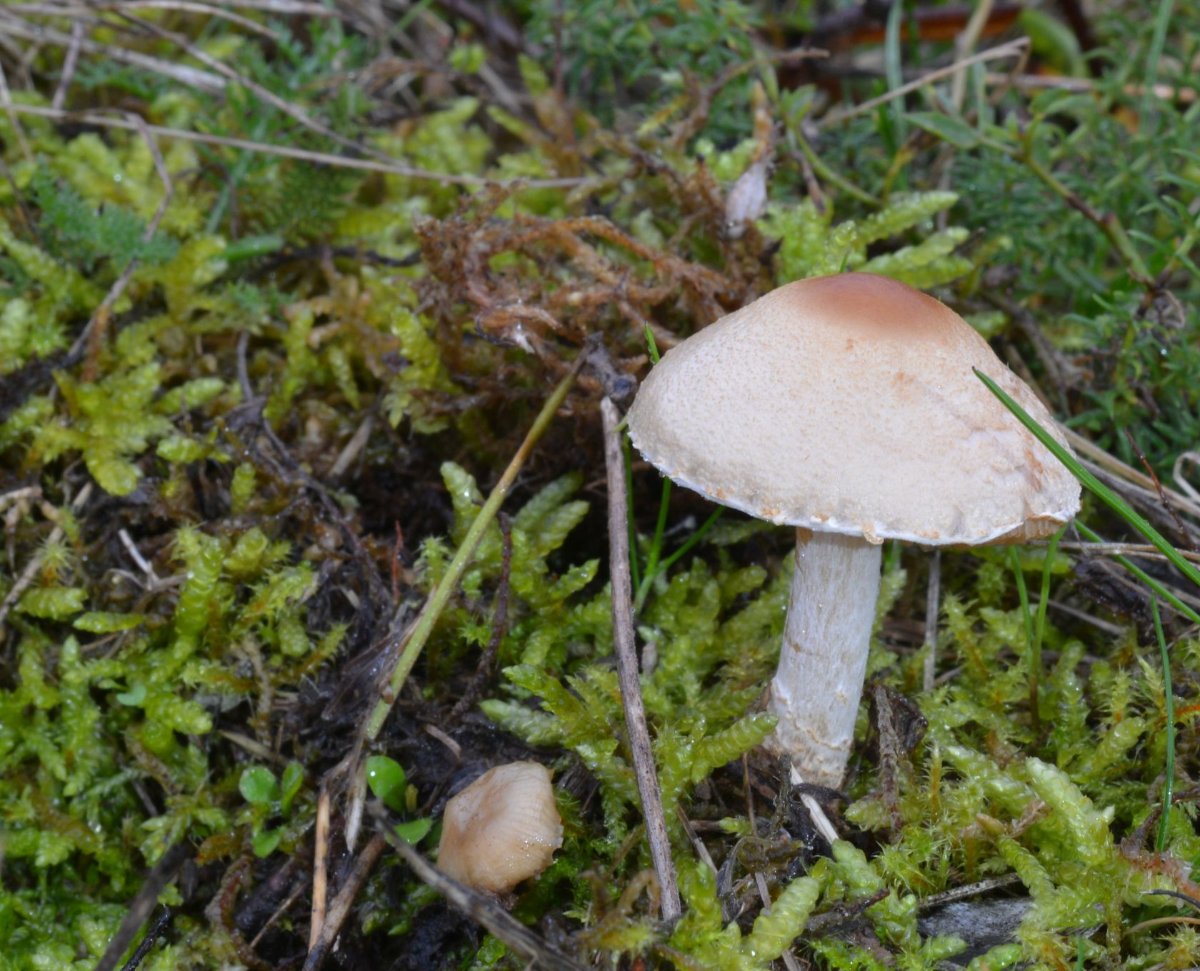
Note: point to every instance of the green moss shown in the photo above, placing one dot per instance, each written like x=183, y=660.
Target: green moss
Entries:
x=811, y=244
x=386, y=327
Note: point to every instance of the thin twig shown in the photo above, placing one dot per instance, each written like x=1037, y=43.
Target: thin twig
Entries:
x=101, y=120
x=189, y=77
x=433, y=731
x=68, y=68
x=142, y=904
x=479, y=907
x=21, y=494
x=1144, y=550
x=964, y=43
x=932, y=611
x=256, y=748
x=18, y=131
x=185, y=6
x=1184, y=533
x=1107, y=222
x=135, y=554
x=1014, y=48
x=969, y=890
x=820, y=820
x=627, y=668
x=1101, y=461
x=320, y=879
x=423, y=625
x=1047, y=82
x=339, y=910
x=263, y=94
x=1144, y=498
x=353, y=448
x=1177, y=473
x=157, y=930
x=355, y=792
x=760, y=881
x=696, y=841
x=278, y=912
x=25, y=580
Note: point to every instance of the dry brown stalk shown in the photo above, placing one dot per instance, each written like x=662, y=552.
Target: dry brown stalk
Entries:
x=627, y=668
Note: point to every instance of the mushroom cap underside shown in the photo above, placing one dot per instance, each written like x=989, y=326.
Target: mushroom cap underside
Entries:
x=848, y=404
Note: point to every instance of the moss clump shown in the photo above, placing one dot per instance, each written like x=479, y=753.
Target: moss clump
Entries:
x=251, y=374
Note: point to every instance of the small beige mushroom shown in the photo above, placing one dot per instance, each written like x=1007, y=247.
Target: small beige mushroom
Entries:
x=846, y=406
x=501, y=829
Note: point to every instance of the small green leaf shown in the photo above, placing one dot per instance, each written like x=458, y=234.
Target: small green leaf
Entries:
x=106, y=622
x=265, y=842
x=387, y=780
x=242, y=488
x=467, y=58
x=258, y=786
x=252, y=247
x=177, y=448
x=190, y=394
x=134, y=697
x=999, y=957
x=289, y=784
x=1053, y=41
x=413, y=831
x=114, y=475
x=949, y=128
x=52, y=603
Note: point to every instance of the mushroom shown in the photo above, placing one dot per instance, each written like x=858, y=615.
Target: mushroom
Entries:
x=846, y=406
x=501, y=829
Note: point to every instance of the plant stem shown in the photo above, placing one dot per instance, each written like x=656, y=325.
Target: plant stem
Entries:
x=1168, y=792
x=830, y=175
x=932, y=613
x=643, y=588
x=627, y=670
x=1106, y=222
x=1039, y=630
x=660, y=527
x=423, y=626
x=1033, y=660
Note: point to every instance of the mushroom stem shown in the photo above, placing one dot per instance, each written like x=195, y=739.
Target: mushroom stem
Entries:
x=823, y=660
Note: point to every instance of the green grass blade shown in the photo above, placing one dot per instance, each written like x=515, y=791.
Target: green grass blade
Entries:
x=660, y=527
x=1039, y=630
x=422, y=627
x=664, y=565
x=1168, y=791
x=1034, y=659
x=893, y=66
x=1095, y=486
x=692, y=540
x=651, y=345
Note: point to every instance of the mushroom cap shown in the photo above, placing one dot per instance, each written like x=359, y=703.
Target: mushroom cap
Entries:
x=501, y=829
x=847, y=404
